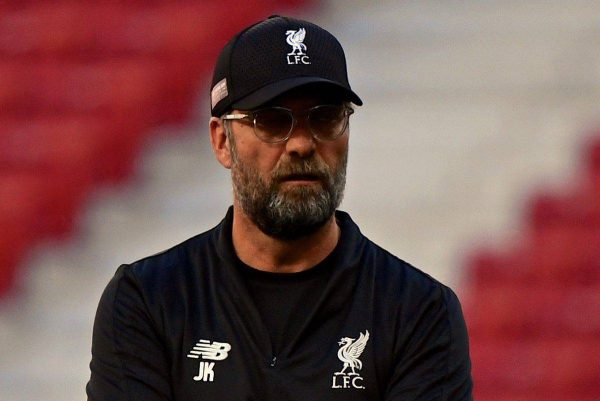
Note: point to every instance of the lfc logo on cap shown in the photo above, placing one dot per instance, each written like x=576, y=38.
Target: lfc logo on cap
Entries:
x=298, y=53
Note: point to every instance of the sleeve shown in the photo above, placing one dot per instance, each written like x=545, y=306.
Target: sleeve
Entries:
x=129, y=361
x=433, y=363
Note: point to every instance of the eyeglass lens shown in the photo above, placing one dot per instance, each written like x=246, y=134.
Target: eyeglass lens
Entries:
x=325, y=122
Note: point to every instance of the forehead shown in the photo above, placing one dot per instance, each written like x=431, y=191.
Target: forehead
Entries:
x=308, y=96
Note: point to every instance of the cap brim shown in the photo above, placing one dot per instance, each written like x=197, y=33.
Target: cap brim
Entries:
x=270, y=92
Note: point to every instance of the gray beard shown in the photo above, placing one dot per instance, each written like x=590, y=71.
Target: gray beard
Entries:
x=289, y=213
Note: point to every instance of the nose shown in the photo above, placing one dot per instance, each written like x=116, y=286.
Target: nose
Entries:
x=301, y=142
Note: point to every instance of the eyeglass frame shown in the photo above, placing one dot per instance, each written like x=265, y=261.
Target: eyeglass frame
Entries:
x=249, y=116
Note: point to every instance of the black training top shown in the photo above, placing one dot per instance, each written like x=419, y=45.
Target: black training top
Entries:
x=183, y=326
x=285, y=300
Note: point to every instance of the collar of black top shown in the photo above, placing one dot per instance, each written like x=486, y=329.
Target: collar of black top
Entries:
x=274, y=56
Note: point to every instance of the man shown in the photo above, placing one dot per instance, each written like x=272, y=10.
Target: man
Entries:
x=285, y=299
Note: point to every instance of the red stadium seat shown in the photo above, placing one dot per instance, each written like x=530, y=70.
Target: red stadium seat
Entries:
x=129, y=88
x=591, y=158
x=58, y=158
x=11, y=92
x=20, y=210
x=504, y=311
x=576, y=206
x=552, y=254
x=541, y=368
x=556, y=252
x=487, y=266
x=578, y=312
x=67, y=28
x=112, y=88
x=96, y=149
x=39, y=29
x=196, y=29
x=516, y=396
x=51, y=143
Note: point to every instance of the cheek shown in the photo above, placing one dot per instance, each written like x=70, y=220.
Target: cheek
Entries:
x=335, y=154
x=260, y=159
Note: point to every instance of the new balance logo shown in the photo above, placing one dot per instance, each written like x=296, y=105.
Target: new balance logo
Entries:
x=215, y=351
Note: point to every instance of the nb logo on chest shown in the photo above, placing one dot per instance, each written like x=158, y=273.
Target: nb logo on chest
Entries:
x=215, y=351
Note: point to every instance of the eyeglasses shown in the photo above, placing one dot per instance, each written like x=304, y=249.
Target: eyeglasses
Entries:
x=275, y=124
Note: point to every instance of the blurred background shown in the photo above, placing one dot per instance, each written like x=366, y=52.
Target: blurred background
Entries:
x=476, y=158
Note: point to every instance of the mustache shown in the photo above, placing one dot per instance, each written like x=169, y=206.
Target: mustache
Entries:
x=303, y=168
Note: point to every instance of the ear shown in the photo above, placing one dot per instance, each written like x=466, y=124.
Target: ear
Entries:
x=219, y=141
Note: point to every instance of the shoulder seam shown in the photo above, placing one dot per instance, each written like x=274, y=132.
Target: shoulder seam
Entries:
x=406, y=264
x=170, y=249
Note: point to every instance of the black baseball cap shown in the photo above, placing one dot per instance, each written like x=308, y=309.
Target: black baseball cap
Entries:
x=274, y=56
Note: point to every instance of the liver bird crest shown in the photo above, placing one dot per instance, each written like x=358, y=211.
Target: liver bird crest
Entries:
x=295, y=39
x=349, y=352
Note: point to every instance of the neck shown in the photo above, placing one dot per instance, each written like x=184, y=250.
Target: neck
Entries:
x=262, y=252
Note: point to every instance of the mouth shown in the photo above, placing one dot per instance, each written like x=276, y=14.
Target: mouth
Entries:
x=301, y=179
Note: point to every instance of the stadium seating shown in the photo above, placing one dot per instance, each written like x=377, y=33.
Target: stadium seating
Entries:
x=19, y=209
x=82, y=84
x=532, y=308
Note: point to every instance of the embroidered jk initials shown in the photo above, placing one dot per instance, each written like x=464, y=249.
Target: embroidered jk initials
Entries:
x=215, y=351
x=205, y=372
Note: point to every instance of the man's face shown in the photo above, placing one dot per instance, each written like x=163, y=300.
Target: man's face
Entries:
x=288, y=189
